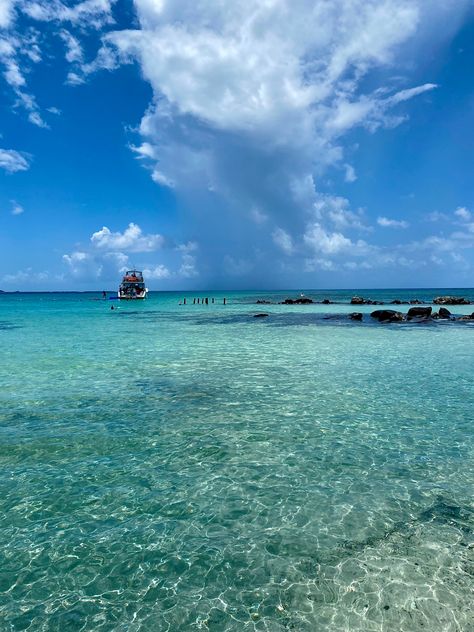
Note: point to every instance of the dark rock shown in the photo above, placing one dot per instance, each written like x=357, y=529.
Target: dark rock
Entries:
x=467, y=317
x=444, y=313
x=450, y=300
x=326, y=301
x=260, y=315
x=358, y=300
x=397, y=301
x=419, y=312
x=387, y=316
x=355, y=316
x=297, y=301
x=416, y=301
x=262, y=301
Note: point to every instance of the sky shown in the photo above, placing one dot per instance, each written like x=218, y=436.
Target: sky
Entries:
x=236, y=145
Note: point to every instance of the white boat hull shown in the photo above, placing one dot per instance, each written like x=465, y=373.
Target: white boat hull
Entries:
x=125, y=297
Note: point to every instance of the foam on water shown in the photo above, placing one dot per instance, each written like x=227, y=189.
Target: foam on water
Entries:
x=191, y=468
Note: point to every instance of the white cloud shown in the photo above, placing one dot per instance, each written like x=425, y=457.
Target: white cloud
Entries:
x=76, y=257
x=331, y=251
x=118, y=260
x=283, y=240
x=6, y=12
x=318, y=263
x=160, y=178
x=95, y=265
x=350, y=173
x=282, y=75
x=463, y=213
x=190, y=246
x=17, y=52
x=106, y=256
x=145, y=150
x=336, y=210
x=348, y=114
x=17, y=209
x=258, y=216
x=158, y=272
x=132, y=239
x=392, y=223
x=20, y=46
x=89, y=13
x=254, y=67
x=13, y=75
x=74, y=79
x=404, y=95
x=27, y=277
x=36, y=119
x=74, y=52
x=13, y=161
x=372, y=110
x=319, y=240
x=436, y=216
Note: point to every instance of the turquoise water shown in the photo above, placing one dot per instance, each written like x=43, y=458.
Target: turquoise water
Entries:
x=167, y=467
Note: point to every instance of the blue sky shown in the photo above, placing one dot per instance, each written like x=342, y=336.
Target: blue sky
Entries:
x=305, y=144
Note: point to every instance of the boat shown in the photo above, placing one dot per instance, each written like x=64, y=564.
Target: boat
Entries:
x=132, y=286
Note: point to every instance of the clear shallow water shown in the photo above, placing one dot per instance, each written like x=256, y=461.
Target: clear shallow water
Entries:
x=191, y=468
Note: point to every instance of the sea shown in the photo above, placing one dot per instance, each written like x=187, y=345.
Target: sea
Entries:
x=182, y=467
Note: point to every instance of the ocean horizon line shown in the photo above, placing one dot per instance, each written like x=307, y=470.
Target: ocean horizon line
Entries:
x=264, y=290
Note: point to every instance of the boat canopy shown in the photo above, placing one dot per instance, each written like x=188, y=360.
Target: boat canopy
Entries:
x=133, y=276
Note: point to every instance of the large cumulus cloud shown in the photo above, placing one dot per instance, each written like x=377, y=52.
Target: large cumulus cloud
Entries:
x=252, y=101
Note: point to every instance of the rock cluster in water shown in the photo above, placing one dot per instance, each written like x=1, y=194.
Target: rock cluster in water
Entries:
x=413, y=301
x=359, y=300
x=388, y=315
x=451, y=300
x=302, y=300
x=417, y=314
